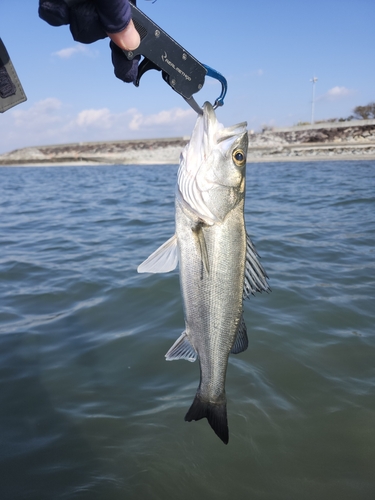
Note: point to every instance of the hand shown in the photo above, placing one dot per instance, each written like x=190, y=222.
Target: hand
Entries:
x=92, y=20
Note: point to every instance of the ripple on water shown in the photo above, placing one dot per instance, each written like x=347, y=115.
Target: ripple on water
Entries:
x=88, y=406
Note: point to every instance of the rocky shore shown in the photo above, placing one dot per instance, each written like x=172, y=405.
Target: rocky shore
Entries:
x=326, y=141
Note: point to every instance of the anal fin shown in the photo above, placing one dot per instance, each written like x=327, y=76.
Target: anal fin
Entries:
x=241, y=343
x=182, y=349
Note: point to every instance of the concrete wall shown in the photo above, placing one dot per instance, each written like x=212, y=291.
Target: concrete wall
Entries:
x=348, y=132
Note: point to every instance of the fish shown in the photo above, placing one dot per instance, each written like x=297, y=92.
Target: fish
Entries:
x=218, y=264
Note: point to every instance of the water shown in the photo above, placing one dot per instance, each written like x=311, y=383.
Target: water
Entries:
x=89, y=409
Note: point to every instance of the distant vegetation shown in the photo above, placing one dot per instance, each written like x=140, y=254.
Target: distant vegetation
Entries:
x=364, y=112
x=359, y=113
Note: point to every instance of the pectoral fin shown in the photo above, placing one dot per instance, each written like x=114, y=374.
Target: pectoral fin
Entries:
x=163, y=260
x=241, y=343
x=201, y=242
x=182, y=349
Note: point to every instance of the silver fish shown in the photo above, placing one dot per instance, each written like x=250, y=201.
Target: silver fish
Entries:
x=218, y=263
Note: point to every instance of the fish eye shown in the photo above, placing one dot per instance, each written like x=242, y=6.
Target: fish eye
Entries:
x=239, y=157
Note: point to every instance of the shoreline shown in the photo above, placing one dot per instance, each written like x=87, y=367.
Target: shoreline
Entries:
x=250, y=160
x=345, y=141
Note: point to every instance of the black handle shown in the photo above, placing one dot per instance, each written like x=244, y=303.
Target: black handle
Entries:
x=183, y=72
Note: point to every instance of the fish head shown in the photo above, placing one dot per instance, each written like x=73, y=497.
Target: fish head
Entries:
x=211, y=178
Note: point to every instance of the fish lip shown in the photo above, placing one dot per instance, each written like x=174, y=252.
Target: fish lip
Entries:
x=209, y=112
x=210, y=123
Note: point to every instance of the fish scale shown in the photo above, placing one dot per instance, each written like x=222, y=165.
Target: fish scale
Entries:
x=215, y=303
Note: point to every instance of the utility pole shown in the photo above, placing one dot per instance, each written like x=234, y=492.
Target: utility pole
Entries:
x=313, y=80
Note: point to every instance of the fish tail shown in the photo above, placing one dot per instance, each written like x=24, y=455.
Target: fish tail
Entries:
x=216, y=414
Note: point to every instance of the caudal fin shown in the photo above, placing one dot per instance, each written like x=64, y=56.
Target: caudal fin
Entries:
x=216, y=415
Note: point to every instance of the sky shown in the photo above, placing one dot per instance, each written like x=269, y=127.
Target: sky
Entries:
x=268, y=50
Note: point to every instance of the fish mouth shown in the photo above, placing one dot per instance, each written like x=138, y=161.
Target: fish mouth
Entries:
x=210, y=121
x=215, y=133
x=209, y=113
x=209, y=133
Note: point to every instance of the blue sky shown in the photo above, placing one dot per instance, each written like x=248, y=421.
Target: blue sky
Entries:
x=267, y=49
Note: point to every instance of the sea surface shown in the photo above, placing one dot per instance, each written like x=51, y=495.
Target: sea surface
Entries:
x=90, y=409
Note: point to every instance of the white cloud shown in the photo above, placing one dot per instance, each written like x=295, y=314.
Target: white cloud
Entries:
x=133, y=121
x=42, y=113
x=71, y=51
x=336, y=93
x=170, y=117
x=100, y=118
x=51, y=122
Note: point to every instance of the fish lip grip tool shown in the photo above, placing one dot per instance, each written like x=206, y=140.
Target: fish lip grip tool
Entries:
x=185, y=74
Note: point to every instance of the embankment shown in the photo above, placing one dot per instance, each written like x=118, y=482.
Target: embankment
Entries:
x=327, y=141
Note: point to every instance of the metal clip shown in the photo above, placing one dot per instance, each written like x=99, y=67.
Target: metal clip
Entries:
x=220, y=100
x=224, y=85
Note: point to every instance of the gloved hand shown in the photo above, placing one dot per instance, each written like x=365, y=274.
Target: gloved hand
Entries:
x=92, y=20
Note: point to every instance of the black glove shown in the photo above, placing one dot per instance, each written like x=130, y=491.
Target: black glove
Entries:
x=91, y=21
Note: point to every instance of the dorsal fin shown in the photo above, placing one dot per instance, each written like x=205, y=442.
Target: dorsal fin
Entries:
x=255, y=279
